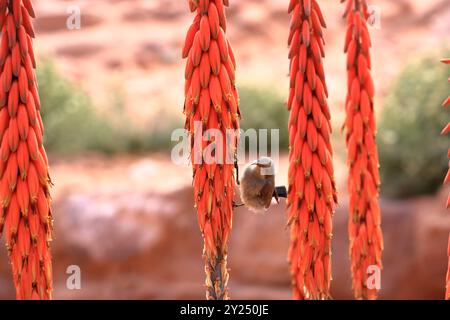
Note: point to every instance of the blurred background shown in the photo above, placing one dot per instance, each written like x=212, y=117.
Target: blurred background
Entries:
x=112, y=92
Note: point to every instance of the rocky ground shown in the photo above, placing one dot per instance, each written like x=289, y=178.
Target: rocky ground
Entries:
x=128, y=222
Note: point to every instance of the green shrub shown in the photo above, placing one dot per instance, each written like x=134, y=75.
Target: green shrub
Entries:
x=154, y=136
x=73, y=125
x=264, y=108
x=412, y=151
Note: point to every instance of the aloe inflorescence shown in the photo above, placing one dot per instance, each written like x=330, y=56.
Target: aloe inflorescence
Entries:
x=312, y=192
x=211, y=102
x=446, y=130
x=26, y=218
x=366, y=240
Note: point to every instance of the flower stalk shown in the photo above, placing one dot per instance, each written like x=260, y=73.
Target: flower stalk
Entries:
x=366, y=240
x=211, y=102
x=26, y=217
x=312, y=192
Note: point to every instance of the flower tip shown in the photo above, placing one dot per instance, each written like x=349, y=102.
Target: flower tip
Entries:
x=446, y=103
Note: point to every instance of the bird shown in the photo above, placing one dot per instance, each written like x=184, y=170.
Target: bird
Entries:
x=257, y=185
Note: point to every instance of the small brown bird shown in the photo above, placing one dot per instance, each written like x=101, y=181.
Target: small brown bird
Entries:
x=258, y=185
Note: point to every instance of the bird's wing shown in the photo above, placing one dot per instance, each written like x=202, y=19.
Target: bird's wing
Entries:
x=266, y=193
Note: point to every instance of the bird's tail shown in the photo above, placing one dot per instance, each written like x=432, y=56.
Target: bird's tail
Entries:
x=280, y=192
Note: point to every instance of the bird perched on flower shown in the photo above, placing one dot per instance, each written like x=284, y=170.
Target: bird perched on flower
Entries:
x=258, y=185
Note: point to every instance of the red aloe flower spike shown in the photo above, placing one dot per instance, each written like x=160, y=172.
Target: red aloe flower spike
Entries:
x=446, y=180
x=312, y=192
x=24, y=186
x=366, y=239
x=211, y=100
